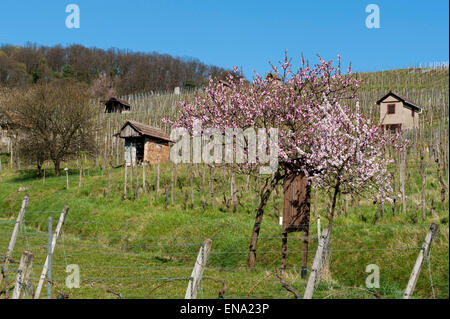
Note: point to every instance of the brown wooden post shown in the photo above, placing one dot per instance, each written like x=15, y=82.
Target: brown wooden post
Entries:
x=420, y=259
x=296, y=211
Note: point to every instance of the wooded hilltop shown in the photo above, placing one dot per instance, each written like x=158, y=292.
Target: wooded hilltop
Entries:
x=129, y=72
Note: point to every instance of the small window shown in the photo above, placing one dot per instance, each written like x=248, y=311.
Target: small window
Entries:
x=412, y=113
x=391, y=109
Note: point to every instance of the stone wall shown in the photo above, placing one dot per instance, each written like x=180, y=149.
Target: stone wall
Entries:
x=154, y=152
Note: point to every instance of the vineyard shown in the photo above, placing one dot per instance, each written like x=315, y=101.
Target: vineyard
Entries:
x=141, y=238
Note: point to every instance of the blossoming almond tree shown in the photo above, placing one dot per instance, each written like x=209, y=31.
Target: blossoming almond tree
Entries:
x=318, y=139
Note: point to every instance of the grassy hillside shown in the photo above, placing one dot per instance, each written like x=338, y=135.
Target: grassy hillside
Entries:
x=131, y=246
x=143, y=247
x=411, y=78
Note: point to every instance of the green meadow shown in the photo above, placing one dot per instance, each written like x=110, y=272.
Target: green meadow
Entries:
x=141, y=247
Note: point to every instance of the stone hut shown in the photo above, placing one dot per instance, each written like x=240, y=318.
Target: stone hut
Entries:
x=144, y=143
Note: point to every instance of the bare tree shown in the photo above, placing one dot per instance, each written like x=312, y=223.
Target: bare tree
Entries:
x=55, y=122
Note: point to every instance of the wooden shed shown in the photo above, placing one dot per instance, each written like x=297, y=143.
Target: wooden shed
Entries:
x=144, y=143
x=115, y=105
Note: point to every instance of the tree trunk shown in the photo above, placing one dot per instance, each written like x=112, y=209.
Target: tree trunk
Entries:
x=57, y=164
x=39, y=169
x=284, y=238
x=233, y=190
x=326, y=252
x=264, y=198
x=394, y=187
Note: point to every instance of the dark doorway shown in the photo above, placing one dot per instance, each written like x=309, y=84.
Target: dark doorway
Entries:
x=140, y=143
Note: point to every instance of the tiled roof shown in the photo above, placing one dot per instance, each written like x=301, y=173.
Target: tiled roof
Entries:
x=402, y=99
x=147, y=130
x=123, y=102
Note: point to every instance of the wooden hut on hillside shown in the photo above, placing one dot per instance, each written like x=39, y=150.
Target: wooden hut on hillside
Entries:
x=144, y=143
x=115, y=105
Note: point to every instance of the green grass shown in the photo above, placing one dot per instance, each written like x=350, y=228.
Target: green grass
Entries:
x=128, y=245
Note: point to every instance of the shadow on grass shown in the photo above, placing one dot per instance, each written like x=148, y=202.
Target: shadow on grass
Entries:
x=30, y=174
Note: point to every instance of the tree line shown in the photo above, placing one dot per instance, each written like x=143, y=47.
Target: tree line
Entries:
x=128, y=72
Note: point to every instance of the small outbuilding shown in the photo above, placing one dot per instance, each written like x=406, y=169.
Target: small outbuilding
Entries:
x=144, y=143
x=115, y=105
x=397, y=113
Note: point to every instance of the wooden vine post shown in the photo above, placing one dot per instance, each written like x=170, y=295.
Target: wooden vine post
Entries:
x=136, y=178
x=143, y=177
x=199, y=268
x=191, y=182
x=157, y=177
x=125, y=182
x=14, y=235
x=317, y=265
x=58, y=229
x=23, y=273
x=424, y=251
x=172, y=188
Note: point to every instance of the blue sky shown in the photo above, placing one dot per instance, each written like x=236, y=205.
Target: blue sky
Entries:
x=243, y=33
